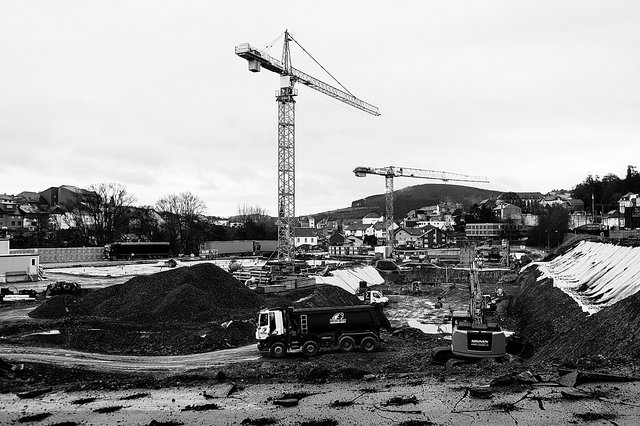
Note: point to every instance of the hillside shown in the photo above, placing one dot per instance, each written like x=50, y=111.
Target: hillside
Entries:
x=412, y=197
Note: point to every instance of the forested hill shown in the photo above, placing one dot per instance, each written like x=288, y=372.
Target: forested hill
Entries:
x=411, y=198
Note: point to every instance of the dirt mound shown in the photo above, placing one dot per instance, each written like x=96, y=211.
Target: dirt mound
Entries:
x=315, y=297
x=614, y=333
x=202, y=292
x=543, y=311
x=560, y=331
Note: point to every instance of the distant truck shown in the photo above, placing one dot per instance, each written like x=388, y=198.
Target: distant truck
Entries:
x=374, y=297
x=136, y=250
x=237, y=247
x=346, y=327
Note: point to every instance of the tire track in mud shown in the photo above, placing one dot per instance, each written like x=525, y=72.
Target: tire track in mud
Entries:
x=124, y=363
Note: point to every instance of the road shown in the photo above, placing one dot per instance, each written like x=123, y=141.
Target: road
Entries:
x=123, y=363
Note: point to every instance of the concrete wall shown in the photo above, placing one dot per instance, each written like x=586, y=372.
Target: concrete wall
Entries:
x=624, y=233
x=65, y=254
x=440, y=275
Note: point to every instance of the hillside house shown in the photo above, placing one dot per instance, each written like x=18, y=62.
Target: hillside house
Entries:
x=506, y=211
x=372, y=218
x=408, y=237
x=629, y=207
x=432, y=237
x=337, y=239
x=357, y=229
x=10, y=216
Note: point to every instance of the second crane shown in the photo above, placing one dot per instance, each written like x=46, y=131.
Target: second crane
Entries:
x=392, y=171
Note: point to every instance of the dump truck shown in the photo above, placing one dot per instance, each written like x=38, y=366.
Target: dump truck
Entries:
x=280, y=330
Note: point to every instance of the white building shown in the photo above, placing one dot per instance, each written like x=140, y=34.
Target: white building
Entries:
x=17, y=267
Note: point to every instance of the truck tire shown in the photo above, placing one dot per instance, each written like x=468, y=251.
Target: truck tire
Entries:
x=278, y=350
x=346, y=343
x=368, y=344
x=310, y=348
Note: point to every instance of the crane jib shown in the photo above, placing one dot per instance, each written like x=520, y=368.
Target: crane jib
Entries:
x=257, y=56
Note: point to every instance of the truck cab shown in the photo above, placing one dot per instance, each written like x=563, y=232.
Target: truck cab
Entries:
x=270, y=323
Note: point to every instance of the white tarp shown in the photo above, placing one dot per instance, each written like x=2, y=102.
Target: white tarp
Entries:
x=349, y=279
x=595, y=275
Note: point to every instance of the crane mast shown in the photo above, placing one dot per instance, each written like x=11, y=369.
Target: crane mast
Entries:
x=258, y=59
x=392, y=171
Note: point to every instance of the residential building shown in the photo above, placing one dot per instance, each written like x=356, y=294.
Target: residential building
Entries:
x=305, y=236
x=506, y=211
x=432, y=237
x=408, y=237
x=61, y=195
x=372, y=218
x=10, y=215
x=629, y=207
x=356, y=229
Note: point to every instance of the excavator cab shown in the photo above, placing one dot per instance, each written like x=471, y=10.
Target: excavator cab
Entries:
x=476, y=333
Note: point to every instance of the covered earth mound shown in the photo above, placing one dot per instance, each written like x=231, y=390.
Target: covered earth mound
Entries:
x=560, y=331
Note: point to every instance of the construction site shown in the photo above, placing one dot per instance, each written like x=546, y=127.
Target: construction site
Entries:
x=177, y=345
x=533, y=337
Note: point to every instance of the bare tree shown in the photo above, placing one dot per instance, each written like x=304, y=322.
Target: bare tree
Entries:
x=256, y=213
x=98, y=214
x=182, y=214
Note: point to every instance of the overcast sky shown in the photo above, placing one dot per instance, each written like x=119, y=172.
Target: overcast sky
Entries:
x=534, y=95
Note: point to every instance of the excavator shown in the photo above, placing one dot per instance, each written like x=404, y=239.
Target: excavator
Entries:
x=475, y=332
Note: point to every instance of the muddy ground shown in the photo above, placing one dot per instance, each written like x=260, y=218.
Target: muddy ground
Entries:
x=400, y=383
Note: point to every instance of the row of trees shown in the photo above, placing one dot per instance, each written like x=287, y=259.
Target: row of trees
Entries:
x=105, y=213
x=605, y=192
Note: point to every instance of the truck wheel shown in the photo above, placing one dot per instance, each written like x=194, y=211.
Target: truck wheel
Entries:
x=277, y=350
x=310, y=348
x=346, y=343
x=368, y=344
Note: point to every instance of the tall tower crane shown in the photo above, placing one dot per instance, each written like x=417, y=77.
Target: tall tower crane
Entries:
x=258, y=59
x=392, y=171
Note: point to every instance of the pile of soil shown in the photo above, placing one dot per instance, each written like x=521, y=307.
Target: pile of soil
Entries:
x=561, y=332
x=612, y=333
x=199, y=293
x=314, y=297
x=180, y=311
x=542, y=311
